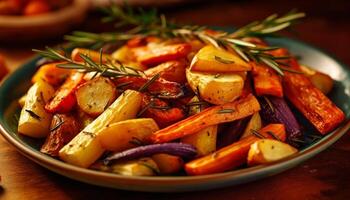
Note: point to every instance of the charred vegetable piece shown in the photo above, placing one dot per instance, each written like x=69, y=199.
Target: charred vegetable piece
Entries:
x=170, y=71
x=62, y=130
x=266, y=81
x=211, y=116
x=212, y=59
x=160, y=87
x=126, y=134
x=233, y=155
x=64, y=99
x=93, y=55
x=231, y=132
x=312, y=103
x=51, y=74
x=94, y=96
x=254, y=123
x=176, y=149
x=160, y=111
x=266, y=150
x=155, y=53
x=276, y=110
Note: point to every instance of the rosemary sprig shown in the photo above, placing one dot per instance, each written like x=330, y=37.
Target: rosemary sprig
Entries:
x=257, y=134
x=149, y=82
x=88, y=65
x=225, y=111
x=33, y=114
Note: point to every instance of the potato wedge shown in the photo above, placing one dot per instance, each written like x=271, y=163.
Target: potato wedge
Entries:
x=267, y=150
x=94, y=55
x=3, y=69
x=85, y=148
x=34, y=120
x=216, y=89
x=51, y=74
x=320, y=80
x=126, y=134
x=124, y=55
x=254, y=123
x=22, y=100
x=168, y=164
x=212, y=59
x=94, y=96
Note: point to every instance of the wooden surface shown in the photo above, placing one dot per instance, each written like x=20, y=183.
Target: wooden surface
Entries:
x=326, y=176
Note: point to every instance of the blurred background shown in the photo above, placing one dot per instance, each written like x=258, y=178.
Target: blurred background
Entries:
x=28, y=24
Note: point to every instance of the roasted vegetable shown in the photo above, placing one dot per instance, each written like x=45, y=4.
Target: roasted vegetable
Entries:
x=216, y=88
x=85, y=148
x=254, y=123
x=266, y=150
x=230, y=132
x=140, y=167
x=205, y=139
x=233, y=155
x=160, y=111
x=176, y=149
x=266, y=81
x=171, y=71
x=320, y=80
x=160, y=87
x=125, y=55
x=94, y=96
x=94, y=55
x=312, y=103
x=212, y=59
x=211, y=116
x=126, y=134
x=168, y=164
x=22, y=100
x=156, y=53
x=62, y=130
x=276, y=110
x=34, y=120
x=51, y=74
x=64, y=99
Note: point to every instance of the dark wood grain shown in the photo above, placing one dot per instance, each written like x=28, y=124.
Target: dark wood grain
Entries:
x=326, y=176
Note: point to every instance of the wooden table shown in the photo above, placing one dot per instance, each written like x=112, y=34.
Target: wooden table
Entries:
x=326, y=176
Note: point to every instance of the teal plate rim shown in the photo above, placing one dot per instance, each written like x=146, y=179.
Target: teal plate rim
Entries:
x=167, y=183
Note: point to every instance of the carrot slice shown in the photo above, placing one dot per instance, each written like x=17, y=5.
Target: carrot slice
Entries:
x=152, y=55
x=233, y=155
x=266, y=81
x=64, y=99
x=214, y=115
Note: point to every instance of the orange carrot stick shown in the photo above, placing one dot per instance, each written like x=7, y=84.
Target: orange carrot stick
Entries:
x=214, y=115
x=266, y=81
x=64, y=99
x=233, y=155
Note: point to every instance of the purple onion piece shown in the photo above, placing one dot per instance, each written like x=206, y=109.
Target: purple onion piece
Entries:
x=276, y=110
x=176, y=149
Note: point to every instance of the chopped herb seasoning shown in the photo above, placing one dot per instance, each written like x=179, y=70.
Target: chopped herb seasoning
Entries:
x=223, y=60
x=32, y=114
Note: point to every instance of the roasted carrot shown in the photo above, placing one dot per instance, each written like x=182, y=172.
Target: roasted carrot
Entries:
x=233, y=155
x=94, y=55
x=171, y=71
x=214, y=115
x=152, y=55
x=312, y=103
x=51, y=74
x=266, y=81
x=64, y=99
x=160, y=87
x=160, y=111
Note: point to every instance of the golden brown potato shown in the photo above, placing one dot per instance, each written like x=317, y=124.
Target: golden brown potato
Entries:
x=216, y=88
x=212, y=59
x=94, y=96
x=267, y=150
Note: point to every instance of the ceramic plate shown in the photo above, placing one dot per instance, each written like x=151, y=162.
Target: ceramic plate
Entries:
x=18, y=82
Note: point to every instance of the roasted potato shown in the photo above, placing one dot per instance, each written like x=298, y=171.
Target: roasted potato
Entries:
x=94, y=96
x=124, y=55
x=216, y=88
x=212, y=59
x=51, y=74
x=85, y=148
x=63, y=129
x=93, y=55
x=34, y=120
x=268, y=150
x=168, y=164
x=126, y=134
x=254, y=123
x=320, y=80
x=22, y=100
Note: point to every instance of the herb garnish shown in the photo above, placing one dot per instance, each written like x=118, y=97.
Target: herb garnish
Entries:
x=257, y=134
x=223, y=60
x=269, y=103
x=33, y=114
x=223, y=111
x=149, y=82
x=273, y=135
x=59, y=124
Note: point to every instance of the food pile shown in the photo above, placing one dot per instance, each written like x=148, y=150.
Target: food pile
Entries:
x=199, y=101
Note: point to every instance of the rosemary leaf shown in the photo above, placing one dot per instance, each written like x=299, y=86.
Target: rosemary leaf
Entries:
x=33, y=114
x=224, y=61
x=224, y=111
x=148, y=83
